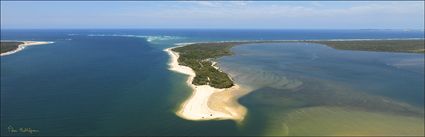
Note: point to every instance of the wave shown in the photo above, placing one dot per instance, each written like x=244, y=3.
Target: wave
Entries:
x=147, y=37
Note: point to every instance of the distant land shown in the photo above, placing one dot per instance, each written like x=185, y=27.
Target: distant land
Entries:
x=206, y=78
x=11, y=47
x=198, y=56
x=409, y=46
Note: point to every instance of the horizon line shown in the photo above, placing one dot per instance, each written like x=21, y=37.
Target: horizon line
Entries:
x=218, y=28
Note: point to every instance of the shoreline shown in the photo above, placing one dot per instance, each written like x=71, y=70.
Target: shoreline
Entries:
x=396, y=45
x=294, y=40
x=206, y=102
x=22, y=46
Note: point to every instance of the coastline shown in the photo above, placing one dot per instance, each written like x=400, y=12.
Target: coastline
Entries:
x=206, y=102
x=22, y=46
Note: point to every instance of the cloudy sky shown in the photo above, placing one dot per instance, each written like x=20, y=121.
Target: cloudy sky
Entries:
x=213, y=14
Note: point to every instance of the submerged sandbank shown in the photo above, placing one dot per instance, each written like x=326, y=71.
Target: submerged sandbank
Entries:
x=206, y=102
x=25, y=44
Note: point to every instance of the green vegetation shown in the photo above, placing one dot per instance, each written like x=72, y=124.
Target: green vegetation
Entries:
x=410, y=46
x=198, y=57
x=9, y=46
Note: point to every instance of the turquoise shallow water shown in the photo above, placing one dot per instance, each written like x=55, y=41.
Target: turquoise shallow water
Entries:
x=294, y=82
x=116, y=82
x=284, y=66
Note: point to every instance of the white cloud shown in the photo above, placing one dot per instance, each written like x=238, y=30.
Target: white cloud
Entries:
x=234, y=14
x=380, y=13
x=217, y=4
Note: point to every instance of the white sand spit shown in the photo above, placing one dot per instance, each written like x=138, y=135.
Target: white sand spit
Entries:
x=197, y=106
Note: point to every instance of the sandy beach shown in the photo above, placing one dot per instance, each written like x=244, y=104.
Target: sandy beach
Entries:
x=22, y=46
x=206, y=102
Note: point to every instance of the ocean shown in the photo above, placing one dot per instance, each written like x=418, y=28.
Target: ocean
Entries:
x=116, y=82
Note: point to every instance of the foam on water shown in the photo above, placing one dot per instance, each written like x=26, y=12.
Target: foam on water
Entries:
x=147, y=37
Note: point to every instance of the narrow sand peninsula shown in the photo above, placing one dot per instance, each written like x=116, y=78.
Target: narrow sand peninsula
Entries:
x=22, y=46
x=206, y=102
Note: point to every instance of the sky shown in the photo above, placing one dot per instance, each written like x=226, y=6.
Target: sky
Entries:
x=213, y=14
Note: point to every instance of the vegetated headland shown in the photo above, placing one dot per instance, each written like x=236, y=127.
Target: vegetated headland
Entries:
x=10, y=47
x=199, y=56
x=215, y=94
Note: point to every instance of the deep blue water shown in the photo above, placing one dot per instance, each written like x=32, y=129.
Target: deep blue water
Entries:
x=196, y=35
x=116, y=82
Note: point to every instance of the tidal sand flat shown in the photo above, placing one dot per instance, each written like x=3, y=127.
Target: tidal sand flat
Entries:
x=211, y=96
x=8, y=48
x=214, y=94
x=340, y=121
x=301, y=86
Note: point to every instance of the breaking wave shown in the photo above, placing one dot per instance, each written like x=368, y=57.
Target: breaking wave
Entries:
x=148, y=38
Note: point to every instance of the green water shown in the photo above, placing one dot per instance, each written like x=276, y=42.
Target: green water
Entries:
x=310, y=89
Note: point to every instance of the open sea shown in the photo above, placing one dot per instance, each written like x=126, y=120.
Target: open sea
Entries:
x=117, y=82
